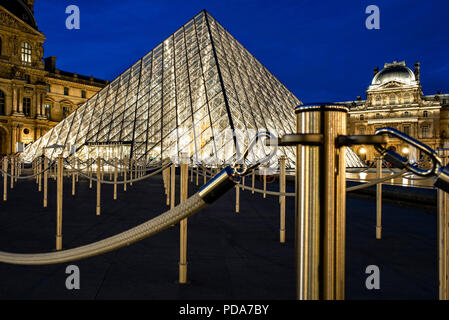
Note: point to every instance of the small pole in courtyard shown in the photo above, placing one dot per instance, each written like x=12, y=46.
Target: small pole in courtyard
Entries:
x=59, y=204
x=379, y=199
x=98, y=186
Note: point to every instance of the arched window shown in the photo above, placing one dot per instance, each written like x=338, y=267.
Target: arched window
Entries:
x=2, y=103
x=393, y=99
x=26, y=53
x=378, y=100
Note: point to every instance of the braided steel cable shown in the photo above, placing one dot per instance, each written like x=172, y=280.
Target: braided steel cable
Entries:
x=126, y=238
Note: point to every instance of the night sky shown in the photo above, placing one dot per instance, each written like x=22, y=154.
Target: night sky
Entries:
x=320, y=50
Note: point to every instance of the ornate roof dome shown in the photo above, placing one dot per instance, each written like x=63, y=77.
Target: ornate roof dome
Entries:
x=21, y=10
x=396, y=71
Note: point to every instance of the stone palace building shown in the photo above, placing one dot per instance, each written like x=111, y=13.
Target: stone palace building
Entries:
x=34, y=94
x=395, y=99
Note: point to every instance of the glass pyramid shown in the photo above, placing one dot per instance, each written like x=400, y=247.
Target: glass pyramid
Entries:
x=181, y=97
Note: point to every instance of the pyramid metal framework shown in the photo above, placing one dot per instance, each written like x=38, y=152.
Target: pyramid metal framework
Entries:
x=179, y=98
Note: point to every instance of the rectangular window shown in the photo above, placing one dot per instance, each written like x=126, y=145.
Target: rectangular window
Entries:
x=83, y=94
x=362, y=131
x=66, y=91
x=425, y=132
x=48, y=88
x=47, y=111
x=407, y=130
x=65, y=112
x=27, y=107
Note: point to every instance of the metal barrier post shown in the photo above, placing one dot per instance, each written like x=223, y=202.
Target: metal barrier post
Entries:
x=115, y=178
x=60, y=176
x=5, y=178
x=282, y=198
x=98, y=186
x=45, y=181
x=379, y=199
x=321, y=204
x=73, y=178
x=40, y=174
x=183, y=224
x=124, y=173
x=12, y=172
x=172, y=185
x=443, y=236
x=237, y=199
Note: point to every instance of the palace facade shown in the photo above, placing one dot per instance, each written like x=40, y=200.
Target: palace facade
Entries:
x=34, y=94
x=395, y=99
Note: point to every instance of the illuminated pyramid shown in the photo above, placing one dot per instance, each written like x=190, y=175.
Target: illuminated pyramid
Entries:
x=181, y=97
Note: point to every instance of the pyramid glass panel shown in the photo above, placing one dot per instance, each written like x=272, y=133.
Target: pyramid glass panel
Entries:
x=199, y=92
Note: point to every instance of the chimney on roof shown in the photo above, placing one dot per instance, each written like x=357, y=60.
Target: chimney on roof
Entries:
x=376, y=70
x=50, y=64
x=417, y=70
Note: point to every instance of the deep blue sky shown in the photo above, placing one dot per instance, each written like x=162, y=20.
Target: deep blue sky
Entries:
x=320, y=50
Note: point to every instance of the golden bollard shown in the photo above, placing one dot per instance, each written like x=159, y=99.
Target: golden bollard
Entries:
x=379, y=200
x=5, y=178
x=40, y=174
x=73, y=180
x=183, y=224
x=115, y=178
x=237, y=199
x=45, y=181
x=131, y=172
x=443, y=236
x=124, y=173
x=59, y=203
x=12, y=173
x=282, y=198
x=321, y=204
x=205, y=174
x=90, y=174
x=98, y=186
x=172, y=185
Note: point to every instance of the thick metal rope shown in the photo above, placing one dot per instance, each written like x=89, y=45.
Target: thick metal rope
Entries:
x=123, y=182
x=374, y=182
x=149, y=228
x=26, y=177
x=271, y=193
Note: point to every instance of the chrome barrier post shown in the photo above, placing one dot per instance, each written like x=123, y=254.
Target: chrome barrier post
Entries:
x=5, y=178
x=60, y=176
x=184, y=179
x=98, y=186
x=237, y=198
x=45, y=180
x=321, y=204
x=172, y=185
x=443, y=236
x=115, y=178
x=282, y=198
x=379, y=199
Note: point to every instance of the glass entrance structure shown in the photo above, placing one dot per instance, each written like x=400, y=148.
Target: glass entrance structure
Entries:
x=185, y=96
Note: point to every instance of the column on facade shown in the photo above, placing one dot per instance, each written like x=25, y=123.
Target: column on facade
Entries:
x=20, y=110
x=41, y=104
x=15, y=106
x=13, y=138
